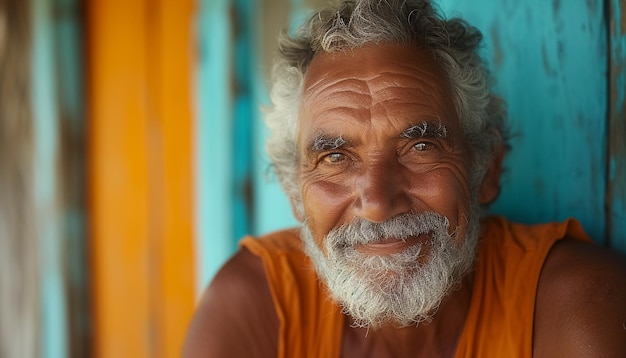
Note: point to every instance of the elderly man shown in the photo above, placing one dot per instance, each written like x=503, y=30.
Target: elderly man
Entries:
x=388, y=142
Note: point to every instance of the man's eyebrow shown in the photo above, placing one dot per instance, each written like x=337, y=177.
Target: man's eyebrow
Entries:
x=426, y=129
x=323, y=142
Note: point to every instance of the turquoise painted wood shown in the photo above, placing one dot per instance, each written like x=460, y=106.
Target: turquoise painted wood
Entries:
x=272, y=210
x=68, y=30
x=550, y=61
x=46, y=151
x=59, y=116
x=616, y=194
x=231, y=199
x=245, y=113
x=214, y=128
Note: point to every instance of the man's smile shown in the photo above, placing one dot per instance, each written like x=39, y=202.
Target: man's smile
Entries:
x=390, y=246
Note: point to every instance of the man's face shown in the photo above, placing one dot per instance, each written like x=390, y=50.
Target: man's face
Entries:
x=378, y=137
x=380, y=143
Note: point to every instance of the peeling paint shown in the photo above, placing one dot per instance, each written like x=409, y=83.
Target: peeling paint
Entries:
x=612, y=169
x=616, y=181
x=498, y=56
x=560, y=51
x=620, y=92
x=550, y=71
x=592, y=5
x=617, y=17
x=618, y=56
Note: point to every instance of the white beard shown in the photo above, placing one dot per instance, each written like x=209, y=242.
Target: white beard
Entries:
x=403, y=288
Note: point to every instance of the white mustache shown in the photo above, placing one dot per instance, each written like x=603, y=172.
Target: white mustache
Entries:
x=401, y=227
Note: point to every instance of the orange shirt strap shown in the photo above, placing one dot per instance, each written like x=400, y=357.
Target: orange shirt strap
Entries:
x=311, y=323
x=510, y=258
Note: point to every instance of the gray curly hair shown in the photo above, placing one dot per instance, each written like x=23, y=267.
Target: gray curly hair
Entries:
x=351, y=24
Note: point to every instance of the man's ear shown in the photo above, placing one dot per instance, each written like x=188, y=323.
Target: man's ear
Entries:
x=490, y=186
x=297, y=213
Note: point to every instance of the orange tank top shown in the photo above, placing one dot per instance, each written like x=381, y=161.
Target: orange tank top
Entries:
x=500, y=318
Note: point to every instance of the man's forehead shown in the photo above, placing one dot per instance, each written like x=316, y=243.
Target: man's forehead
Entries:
x=390, y=87
x=398, y=75
x=373, y=58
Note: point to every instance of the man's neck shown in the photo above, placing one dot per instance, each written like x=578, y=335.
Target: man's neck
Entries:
x=436, y=338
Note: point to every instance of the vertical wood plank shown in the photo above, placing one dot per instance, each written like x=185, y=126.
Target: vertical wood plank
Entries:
x=20, y=274
x=170, y=150
x=244, y=115
x=214, y=156
x=141, y=176
x=616, y=183
x=47, y=183
x=118, y=176
x=68, y=30
x=272, y=209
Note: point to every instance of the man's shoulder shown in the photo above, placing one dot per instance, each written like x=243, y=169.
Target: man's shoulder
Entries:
x=235, y=316
x=281, y=241
x=581, y=302
x=580, y=269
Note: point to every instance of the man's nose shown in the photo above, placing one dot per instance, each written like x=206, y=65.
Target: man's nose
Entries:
x=382, y=193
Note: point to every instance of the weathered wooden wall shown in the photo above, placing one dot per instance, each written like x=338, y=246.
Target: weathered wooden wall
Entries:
x=616, y=168
x=20, y=315
x=67, y=27
x=560, y=65
x=550, y=60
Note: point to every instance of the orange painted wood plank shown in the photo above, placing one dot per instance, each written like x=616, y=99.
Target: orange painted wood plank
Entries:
x=140, y=175
x=173, y=99
x=117, y=176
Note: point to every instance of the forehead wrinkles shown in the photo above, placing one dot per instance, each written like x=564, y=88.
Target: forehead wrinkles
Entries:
x=334, y=85
x=412, y=81
x=401, y=86
x=383, y=86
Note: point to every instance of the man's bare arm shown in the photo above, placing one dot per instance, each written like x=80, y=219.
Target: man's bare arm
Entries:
x=581, y=303
x=236, y=316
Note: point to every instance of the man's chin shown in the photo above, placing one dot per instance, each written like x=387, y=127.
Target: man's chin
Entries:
x=389, y=320
x=403, y=288
x=390, y=301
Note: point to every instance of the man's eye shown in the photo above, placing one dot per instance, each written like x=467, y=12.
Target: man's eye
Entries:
x=422, y=146
x=334, y=158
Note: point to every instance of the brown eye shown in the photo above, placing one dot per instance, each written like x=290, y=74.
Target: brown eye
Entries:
x=421, y=146
x=334, y=158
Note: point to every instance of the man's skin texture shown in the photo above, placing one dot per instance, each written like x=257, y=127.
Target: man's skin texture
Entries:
x=368, y=98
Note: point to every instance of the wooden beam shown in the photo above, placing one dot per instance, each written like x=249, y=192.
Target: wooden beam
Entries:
x=47, y=180
x=68, y=32
x=170, y=128
x=616, y=176
x=214, y=155
x=20, y=269
x=139, y=69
